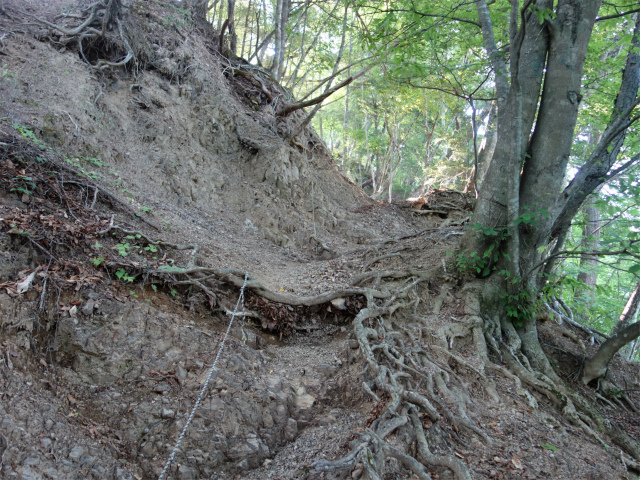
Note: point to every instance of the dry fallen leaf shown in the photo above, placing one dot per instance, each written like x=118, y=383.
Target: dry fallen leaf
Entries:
x=516, y=463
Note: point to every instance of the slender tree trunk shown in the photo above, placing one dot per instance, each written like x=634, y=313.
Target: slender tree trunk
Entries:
x=282, y=17
x=591, y=243
x=630, y=312
x=488, y=145
x=367, y=124
x=246, y=29
x=345, y=125
x=292, y=79
x=233, y=37
x=427, y=146
x=278, y=39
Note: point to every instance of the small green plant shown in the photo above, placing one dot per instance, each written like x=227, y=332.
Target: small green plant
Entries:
x=616, y=392
x=133, y=293
x=548, y=446
x=483, y=265
x=123, y=249
x=26, y=132
x=151, y=248
x=6, y=74
x=155, y=289
x=174, y=292
x=146, y=209
x=519, y=305
x=96, y=162
x=124, y=276
x=97, y=261
x=24, y=184
x=170, y=268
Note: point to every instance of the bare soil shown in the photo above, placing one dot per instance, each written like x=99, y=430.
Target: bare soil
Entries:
x=99, y=373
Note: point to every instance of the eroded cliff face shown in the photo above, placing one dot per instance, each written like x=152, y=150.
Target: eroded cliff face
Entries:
x=172, y=130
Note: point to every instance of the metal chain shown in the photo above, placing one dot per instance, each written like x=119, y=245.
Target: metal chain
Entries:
x=206, y=383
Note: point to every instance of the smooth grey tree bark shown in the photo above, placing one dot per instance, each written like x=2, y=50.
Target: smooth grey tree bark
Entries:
x=535, y=133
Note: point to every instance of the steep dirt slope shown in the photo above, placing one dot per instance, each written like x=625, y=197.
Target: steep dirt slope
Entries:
x=106, y=351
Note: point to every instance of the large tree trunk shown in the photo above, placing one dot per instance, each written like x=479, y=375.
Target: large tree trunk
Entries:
x=523, y=195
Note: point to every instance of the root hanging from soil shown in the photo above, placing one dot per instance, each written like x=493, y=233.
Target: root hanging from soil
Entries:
x=101, y=21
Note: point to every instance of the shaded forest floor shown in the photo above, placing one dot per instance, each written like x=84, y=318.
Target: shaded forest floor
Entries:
x=106, y=348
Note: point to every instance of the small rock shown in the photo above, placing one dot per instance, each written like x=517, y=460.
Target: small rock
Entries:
x=354, y=344
x=186, y=473
x=162, y=387
x=339, y=303
x=291, y=430
x=87, y=309
x=167, y=413
x=52, y=473
x=87, y=460
x=76, y=453
x=193, y=364
x=147, y=450
x=305, y=401
x=267, y=420
x=46, y=443
x=243, y=465
x=326, y=421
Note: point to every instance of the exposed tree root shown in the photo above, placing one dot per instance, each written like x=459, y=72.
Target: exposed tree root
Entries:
x=99, y=20
x=401, y=366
